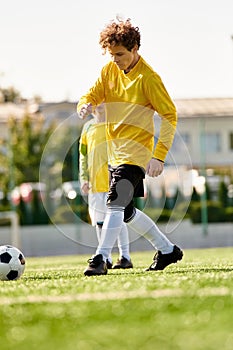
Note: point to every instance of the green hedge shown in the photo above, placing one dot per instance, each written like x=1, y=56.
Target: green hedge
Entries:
x=216, y=213
x=229, y=214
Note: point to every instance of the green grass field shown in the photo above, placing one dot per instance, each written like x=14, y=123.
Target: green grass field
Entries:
x=187, y=306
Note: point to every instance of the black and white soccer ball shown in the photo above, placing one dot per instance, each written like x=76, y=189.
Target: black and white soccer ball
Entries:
x=12, y=263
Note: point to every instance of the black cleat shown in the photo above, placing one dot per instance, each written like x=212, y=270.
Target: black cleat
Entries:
x=109, y=264
x=123, y=263
x=96, y=266
x=163, y=260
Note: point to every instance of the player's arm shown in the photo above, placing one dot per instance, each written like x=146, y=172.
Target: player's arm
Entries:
x=154, y=167
x=93, y=98
x=85, y=187
x=85, y=110
x=166, y=109
x=83, y=164
x=83, y=173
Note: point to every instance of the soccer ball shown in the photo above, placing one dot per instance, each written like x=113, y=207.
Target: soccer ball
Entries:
x=12, y=263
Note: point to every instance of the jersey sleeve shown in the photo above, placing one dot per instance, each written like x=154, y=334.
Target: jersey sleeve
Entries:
x=95, y=95
x=83, y=158
x=164, y=106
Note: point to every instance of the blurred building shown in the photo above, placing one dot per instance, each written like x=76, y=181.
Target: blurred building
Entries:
x=17, y=111
x=58, y=111
x=204, y=132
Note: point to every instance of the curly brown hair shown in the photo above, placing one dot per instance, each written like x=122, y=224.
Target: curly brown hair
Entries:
x=119, y=33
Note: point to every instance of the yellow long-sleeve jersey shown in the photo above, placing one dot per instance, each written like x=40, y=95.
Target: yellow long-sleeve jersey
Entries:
x=131, y=101
x=93, y=160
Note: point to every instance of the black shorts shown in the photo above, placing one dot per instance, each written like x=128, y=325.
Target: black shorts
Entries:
x=126, y=182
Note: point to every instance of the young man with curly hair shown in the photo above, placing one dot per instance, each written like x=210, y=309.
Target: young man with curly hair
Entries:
x=132, y=92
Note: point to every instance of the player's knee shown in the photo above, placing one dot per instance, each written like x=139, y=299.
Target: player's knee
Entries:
x=129, y=213
x=121, y=193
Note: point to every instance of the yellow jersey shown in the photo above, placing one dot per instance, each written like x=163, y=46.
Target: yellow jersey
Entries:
x=131, y=101
x=93, y=159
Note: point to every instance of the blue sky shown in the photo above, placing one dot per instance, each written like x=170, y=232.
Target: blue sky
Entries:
x=50, y=47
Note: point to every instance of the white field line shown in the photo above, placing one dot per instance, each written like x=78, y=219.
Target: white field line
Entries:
x=163, y=293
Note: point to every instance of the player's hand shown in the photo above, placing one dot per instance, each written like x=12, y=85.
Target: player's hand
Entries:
x=154, y=167
x=85, y=188
x=85, y=110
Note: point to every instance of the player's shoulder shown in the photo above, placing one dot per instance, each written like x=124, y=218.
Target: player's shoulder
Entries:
x=109, y=67
x=109, y=64
x=148, y=71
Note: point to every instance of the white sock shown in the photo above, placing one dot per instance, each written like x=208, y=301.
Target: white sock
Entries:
x=98, y=233
x=109, y=259
x=98, y=229
x=123, y=242
x=142, y=224
x=110, y=231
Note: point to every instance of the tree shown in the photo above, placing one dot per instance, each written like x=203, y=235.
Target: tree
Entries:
x=223, y=194
x=10, y=94
x=20, y=160
x=20, y=155
x=195, y=196
x=208, y=191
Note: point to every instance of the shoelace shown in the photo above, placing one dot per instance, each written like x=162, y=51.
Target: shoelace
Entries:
x=91, y=262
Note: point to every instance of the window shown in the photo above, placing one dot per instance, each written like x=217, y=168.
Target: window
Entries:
x=231, y=141
x=180, y=141
x=211, y=142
